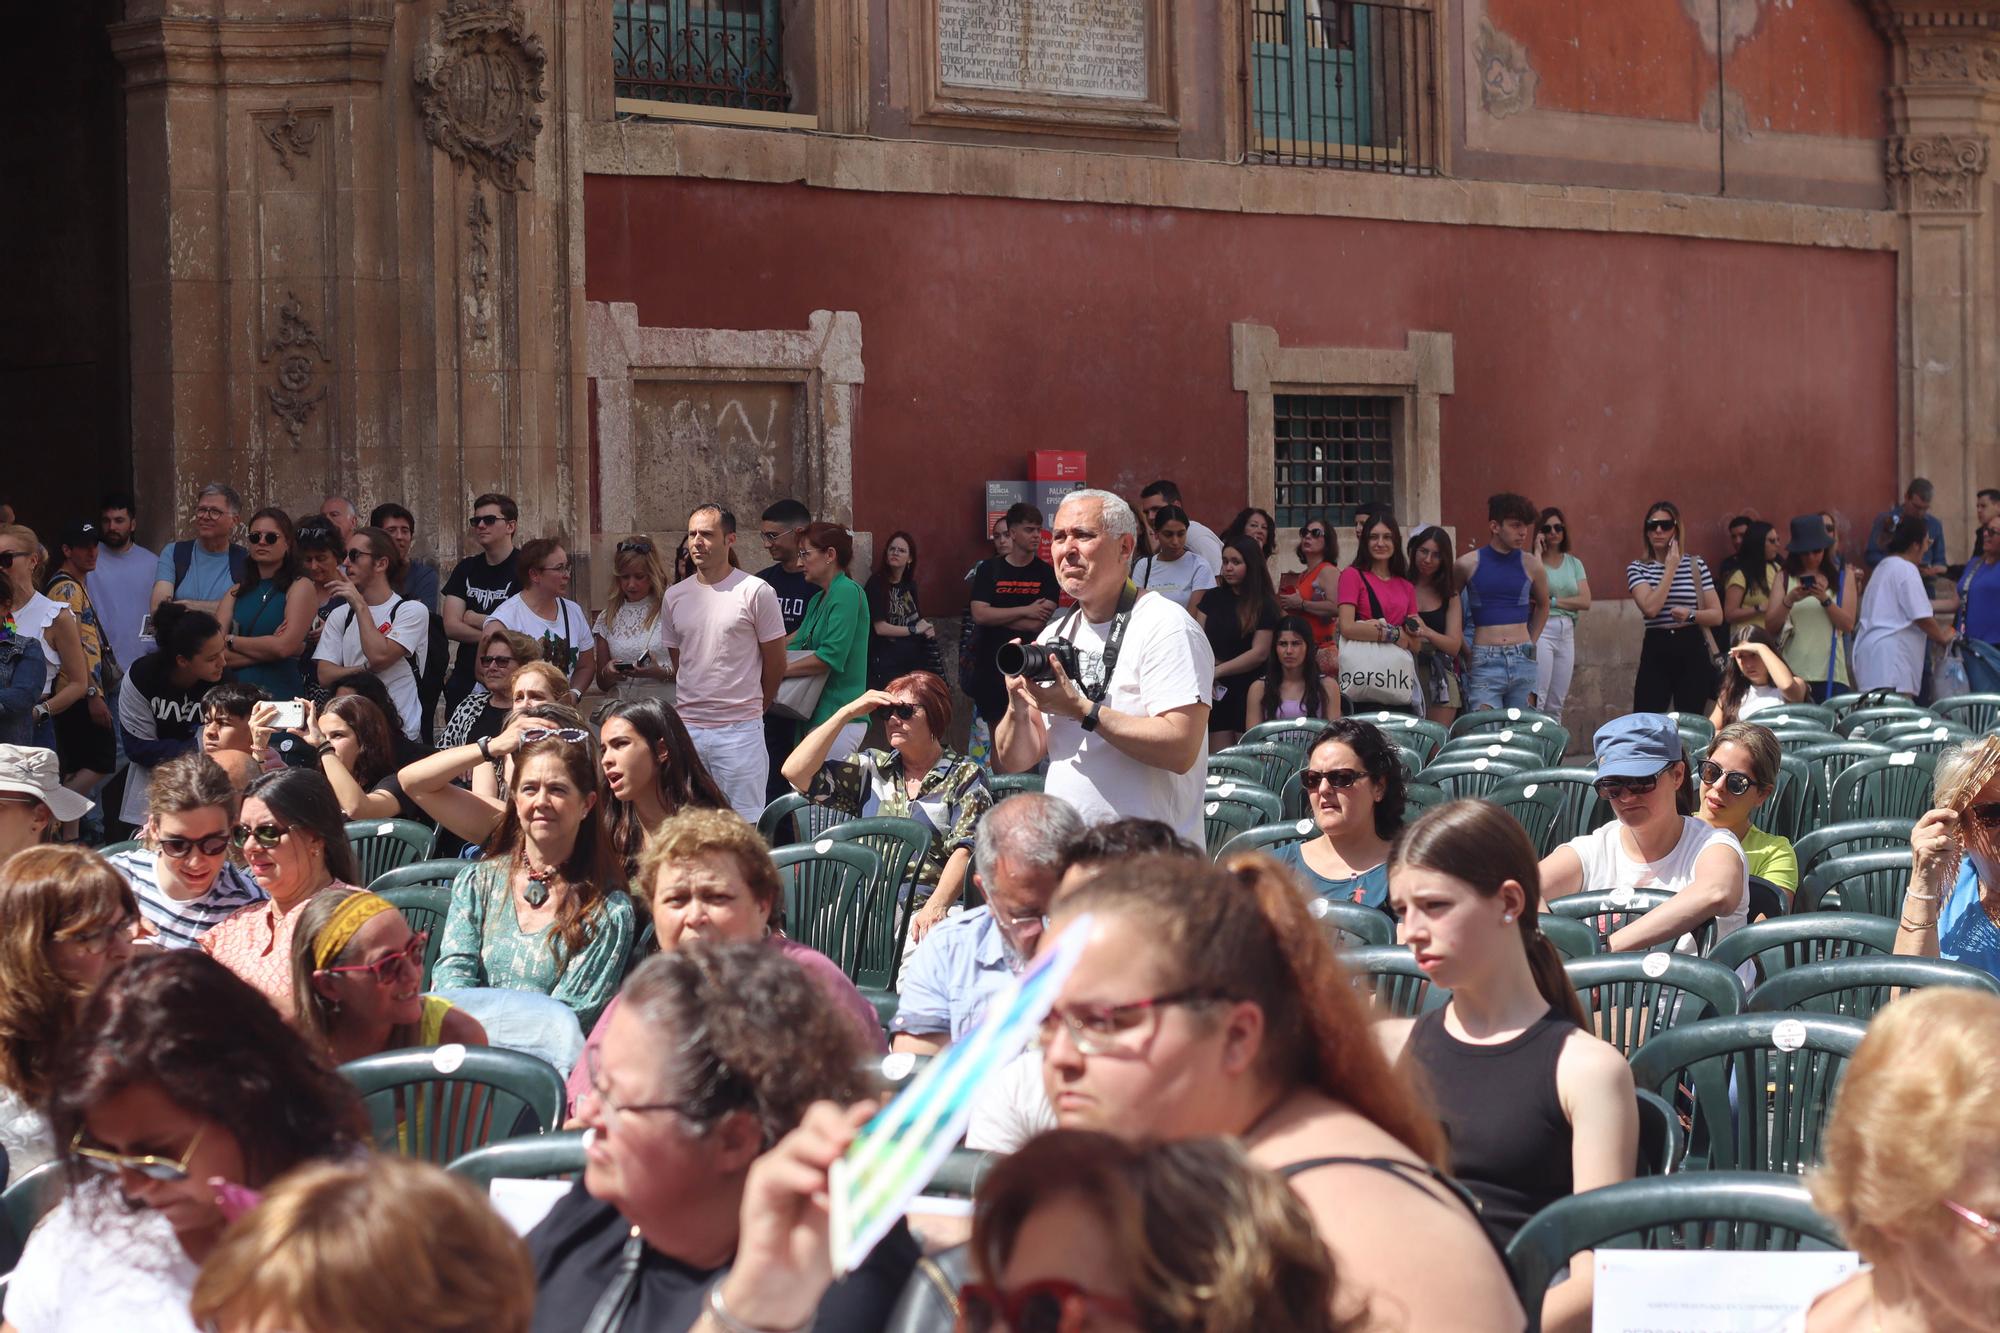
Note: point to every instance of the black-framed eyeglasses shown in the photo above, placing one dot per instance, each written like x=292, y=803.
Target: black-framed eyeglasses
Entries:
x=410, y=958
x=179, y=849
x=1732, y=782
x=146, y=1164
x=210, y=511
x=563, y=568
x=359, y=554
x=636, y=546
x=1662, y=524
x=574, y=735
x=264, y=538
x=1340, y=779
x=1611, y=788
x=266, y=836
x=485, y=520
x=492, y=660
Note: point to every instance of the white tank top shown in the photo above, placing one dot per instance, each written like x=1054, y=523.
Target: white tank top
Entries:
x=35, y=617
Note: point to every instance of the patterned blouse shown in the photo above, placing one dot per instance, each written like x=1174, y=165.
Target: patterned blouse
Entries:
x=949, y=801
x=484, y=945
x=256, y=944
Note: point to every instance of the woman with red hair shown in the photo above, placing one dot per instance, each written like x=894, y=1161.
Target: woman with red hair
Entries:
x=832, y=640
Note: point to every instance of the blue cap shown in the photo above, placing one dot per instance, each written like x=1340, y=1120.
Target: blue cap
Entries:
x=1637, y=745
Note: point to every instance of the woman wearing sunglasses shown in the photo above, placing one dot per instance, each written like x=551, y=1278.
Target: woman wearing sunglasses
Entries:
x=183, y=878
x=498, y=656
x=294, y=841
x=1953, y=900
x=270, y=609
x=1676, y=594
x=544, y=910
x=915, y=778
x=1569, y=597
x=1655, y=842
x=177, y=1097
x=69, y=921
x=1912, y=1174
x=357, y=981
x=1738, y=776
x=628, y=667
x=1354, y=783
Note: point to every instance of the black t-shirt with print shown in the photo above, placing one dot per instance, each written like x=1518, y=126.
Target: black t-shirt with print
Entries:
x=794, y=591
x=482, y=587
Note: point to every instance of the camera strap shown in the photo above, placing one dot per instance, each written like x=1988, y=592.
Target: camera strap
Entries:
x=1128, y=597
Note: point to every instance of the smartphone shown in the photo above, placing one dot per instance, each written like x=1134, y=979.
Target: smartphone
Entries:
x=622, y=666
x=146, y=626
x=288, y=714
x=1412, y=625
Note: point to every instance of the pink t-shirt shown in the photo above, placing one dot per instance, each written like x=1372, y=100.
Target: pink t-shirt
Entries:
x=1398, y=597
x=826, y=974
x=719, y=629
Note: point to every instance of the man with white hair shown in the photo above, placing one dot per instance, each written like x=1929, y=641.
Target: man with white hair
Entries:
x=1128, y=736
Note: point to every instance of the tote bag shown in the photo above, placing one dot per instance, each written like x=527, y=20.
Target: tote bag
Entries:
x=1383, y=674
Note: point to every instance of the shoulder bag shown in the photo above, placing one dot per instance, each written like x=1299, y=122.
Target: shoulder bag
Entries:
x=1383, y=674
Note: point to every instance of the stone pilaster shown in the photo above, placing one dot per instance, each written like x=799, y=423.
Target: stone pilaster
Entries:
x=1944, y=98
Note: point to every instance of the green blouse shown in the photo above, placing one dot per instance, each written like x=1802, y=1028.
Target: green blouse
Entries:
x=484, y=945
x=836, y=628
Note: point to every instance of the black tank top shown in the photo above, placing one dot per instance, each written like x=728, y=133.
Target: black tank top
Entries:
x=1510, y=1141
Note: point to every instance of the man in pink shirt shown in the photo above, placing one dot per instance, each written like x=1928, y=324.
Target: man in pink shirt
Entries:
x=727, y=636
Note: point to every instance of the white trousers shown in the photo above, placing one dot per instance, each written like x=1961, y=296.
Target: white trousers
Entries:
x=737, y=760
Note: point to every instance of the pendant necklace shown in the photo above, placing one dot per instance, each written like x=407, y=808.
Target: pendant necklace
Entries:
x=537, y=892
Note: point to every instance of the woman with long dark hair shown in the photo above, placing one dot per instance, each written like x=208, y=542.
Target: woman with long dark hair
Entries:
x=270, y=609
x=1439, y=633
x=1292, y=686
x=1314, y=592
x=1259, y=527
x=1676, y=594
x=1569, y=597
x=1756, y=579
x=1377, y=602
x=1240, y=616
x=159, y=708
x=1354, y=789
x=903, y=640
x=1755, y=678
x=652, y=771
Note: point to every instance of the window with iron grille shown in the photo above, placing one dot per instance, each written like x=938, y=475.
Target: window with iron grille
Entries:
x=1344, y=83
x=720, y=53
x=1334, y=452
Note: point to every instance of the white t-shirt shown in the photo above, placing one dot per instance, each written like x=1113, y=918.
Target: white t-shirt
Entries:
x=1888, y=645
x=563, y=639
x=401, y=619
x=1756, y=699
x=1164, y=663
x=1204, y=543
x=94, y=1265
x=1179, y=579
x=1010, y=1107
x=720, y=630
x=1608, y=865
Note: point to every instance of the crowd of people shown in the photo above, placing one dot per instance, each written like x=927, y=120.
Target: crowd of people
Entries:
x=1215, y=1130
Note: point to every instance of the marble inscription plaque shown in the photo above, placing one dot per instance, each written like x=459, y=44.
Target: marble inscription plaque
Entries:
x=1064, y=48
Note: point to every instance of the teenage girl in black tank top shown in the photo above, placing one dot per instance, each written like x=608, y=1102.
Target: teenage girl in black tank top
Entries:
x=1533, y=1106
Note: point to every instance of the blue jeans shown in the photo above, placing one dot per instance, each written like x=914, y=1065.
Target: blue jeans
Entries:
x=1502, y=676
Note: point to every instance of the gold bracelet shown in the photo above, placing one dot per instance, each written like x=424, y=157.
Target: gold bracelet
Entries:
x=1918, y=926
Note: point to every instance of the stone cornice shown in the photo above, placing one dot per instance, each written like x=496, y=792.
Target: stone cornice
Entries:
x=209, y=52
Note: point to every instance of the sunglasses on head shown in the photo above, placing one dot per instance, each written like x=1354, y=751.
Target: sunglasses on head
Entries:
x=147, y=1165
x=1038, y=1307
x=574, y=735
x=485, y=520
x=1610, y=788
x=1733, y=783
x=1340, y=779
x=266, y=835
x=1662, y=524
x=179, y=849
x=265, y=538
x=637, y=546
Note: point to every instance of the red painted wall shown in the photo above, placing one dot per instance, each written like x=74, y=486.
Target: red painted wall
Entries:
x=1593, y=371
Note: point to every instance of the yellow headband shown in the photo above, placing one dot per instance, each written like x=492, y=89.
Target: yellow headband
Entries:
x=348, y=919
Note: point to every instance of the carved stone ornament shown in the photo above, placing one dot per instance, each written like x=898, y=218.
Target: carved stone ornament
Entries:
x=1952, y=62
x=293, y=398
x=1937, y=172
x=290, y=137
x=479, y=225
x=478, y=81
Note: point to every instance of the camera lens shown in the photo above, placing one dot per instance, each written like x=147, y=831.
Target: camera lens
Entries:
x=1021, y=659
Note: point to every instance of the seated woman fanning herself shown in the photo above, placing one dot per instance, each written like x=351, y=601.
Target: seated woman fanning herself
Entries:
x=706, y=875
x=1952, y=905
x=714, y=1054
x=1354, y=789
x=1738, y=776
x=1757, y=677
x=183, y=878
x=176, y=1098
x=1655, y=842
x=653, y=772
x=1207, y=1002
x=358, y=972
x=915, y=778
x=294, y=841
x=1534, y=1107
x=68, y=922
x=545, y=909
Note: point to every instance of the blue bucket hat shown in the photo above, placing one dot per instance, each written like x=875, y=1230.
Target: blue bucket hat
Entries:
x=1637, y=745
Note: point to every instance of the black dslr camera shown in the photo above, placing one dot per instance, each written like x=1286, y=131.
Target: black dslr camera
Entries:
x=1032, y=660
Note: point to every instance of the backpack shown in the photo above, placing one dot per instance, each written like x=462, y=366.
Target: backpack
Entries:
x=239, y=561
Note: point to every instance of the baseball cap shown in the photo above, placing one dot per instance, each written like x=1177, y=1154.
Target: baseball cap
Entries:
x=81, y=533
x=1637, y=745
x=30, y=770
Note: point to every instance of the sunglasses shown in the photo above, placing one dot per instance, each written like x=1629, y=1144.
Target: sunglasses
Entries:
x=264, y=538
x=1733, y=783
x=179, y=849
x=496, y=660
x=1340, y=779
x=1986, y=816
x=7, y=558
x=1313, y=532
x=485, y=520
x=773, y=535
x=637, y=546
x=266, y=835
x=358, y=554
x=1557, y=527
x=153, y=1168
x=574, y=735
x=1612, y=788
x=387, y=970
x=900, y=712
x=1662, y=524
x=1038, y=1307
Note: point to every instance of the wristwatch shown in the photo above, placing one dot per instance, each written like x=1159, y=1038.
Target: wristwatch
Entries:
x=1089, y=720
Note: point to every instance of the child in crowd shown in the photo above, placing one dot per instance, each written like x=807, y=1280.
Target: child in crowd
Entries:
x=225, y=730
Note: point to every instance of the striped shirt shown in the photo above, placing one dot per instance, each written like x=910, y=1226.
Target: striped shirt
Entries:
x=180, y=924
x=1686, y=591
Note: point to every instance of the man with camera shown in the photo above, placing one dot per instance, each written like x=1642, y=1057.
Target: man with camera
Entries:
x=1114, y=691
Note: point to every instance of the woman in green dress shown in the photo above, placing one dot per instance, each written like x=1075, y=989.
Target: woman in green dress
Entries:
x=834, y=632
x=268, y=612
x=545, y=909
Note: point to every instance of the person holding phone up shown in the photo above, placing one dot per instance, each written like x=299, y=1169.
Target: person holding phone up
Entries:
x=1676, y=594
x=627, y=627
x=1818, y=602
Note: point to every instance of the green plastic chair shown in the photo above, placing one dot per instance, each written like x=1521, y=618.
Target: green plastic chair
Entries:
x=1863, y=723
x=962, y=1173
x=1225, y=767
x=1858, y=987
x=1927, y=737
x=792, y=818
x=553, y=1156
x=1817, y=714
x=1896, y=786
x=1411, y=760
x=1785, y=811
x=1826, y=760
x=1353, y=924
x=492, y=1094
x=1782, y=1096
x=1458, y=778
x=1631, y=996
x=1273, y=763
x=26, y=1202
x=1661, y=1141
x=1871, y=882
x=1610, y=911
x=1264, y=799
x=901, y=843
x=1843, y=704
x=1292, y=802
x=1391, y=975
x=1573, y=939
x=382, y=845
x=824, y=885
x=1547, y=740
x=114, y=848
x=1232, y=809
x=1858, y=835
x=1979, y=713
x=1519, y=756
x=1270, y=837
x=1712, y=1210
x=424, y=903
x=1297, y=732
x=1583, y=809
x=1499, y=719
x=1538, y=807
x=1003, y=785
x=1795, y=941
x=1412, y=733
x=1419, y=797
x=1697, y=732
